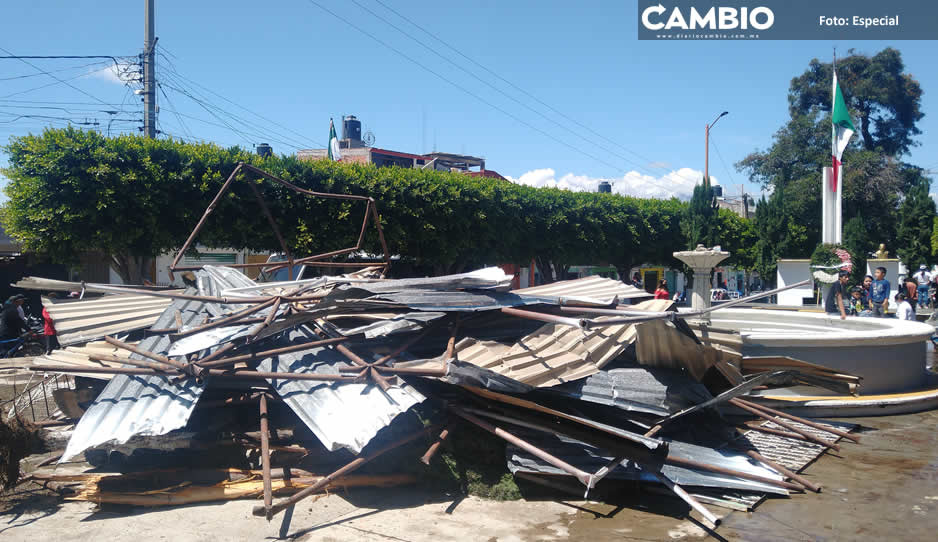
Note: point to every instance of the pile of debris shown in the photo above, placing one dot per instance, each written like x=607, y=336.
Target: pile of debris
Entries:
x=580, y=386
x=629, y=396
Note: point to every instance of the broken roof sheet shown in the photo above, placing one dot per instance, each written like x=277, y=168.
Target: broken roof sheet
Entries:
x=649, y=390
x=341, y=414
x=591, y=459
x=555, y=353
x=595, y=288
x=80, y=356
x=151, y=405
x=85, y=320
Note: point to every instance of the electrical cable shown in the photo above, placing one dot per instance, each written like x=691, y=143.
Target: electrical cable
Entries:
x=649, y=162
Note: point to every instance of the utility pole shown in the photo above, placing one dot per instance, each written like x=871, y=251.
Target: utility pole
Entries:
x=707, y=144
x=149, y=73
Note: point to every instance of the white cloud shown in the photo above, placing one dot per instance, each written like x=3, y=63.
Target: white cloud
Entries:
x=114, y=73
x=678, y=183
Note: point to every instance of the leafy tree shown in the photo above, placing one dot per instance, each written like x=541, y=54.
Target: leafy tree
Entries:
x=885, y=103
x=699, y=223
x=916, y=223
x=886, y=100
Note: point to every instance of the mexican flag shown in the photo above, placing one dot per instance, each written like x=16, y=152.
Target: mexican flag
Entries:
x=842, y=131
x=334, y=153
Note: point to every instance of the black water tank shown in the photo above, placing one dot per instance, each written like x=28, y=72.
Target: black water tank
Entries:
x=264, y=150
x=605, y=187
x=717, y=190
x=351, y=128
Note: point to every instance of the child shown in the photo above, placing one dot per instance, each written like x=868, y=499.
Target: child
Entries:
x=904, y=311
x=859, y=303
x=879, y=293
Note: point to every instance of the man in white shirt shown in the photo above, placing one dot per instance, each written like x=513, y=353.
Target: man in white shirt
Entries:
x=922, y=279
x=904, y=309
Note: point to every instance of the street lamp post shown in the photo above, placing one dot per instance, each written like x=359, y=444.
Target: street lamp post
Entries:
x=707, y=144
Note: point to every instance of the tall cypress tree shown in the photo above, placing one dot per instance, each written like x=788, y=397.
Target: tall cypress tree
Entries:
x=916, y=219
x=699, y=223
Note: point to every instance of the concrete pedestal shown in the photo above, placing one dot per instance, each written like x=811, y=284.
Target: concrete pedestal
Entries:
x=702, y=261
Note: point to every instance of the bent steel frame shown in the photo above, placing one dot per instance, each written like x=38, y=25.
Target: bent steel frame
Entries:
x=371, y=213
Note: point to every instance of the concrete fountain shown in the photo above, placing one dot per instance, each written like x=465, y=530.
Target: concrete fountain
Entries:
x=890, y=354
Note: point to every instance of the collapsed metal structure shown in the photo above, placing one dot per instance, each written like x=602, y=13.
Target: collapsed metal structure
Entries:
x=348, y=354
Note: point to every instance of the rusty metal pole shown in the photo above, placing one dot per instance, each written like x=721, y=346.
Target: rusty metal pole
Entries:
x=697, y=465
x=208, y=211
x=785, y=471
x=542, y=317
x=754, y=426
x=809, y=423
x=347, y=469
x=687, y=498
x=265, y=457
x=432, y=450
x=276, y=230
x=232, y=318
x=765, y=415
x=582, y=476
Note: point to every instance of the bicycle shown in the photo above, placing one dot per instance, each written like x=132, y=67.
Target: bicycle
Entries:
x=27, y=344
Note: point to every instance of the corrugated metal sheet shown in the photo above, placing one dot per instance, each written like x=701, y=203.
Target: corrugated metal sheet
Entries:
x=649, y=390
x=79, y=356
x=85, y=320
x=555, y=353
x=660, y=344
x=341, y=415
x=152, y=405
x=594, y=288
x=591, y=459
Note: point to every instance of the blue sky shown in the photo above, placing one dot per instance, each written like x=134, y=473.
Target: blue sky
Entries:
x=621, y=109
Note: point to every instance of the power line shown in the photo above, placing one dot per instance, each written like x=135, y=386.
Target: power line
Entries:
x=181, y=78
x=514, y=86
x=52, y=71
x=37, y=68
x=260, y=131
x=457, y=86
x=716, y=148
x=21, y=57
x=563, y=126
x=210, y=108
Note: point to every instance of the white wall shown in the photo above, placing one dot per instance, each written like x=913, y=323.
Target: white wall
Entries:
x=790, y=272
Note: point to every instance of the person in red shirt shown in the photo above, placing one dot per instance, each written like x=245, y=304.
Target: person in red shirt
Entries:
x=662, y=291
x=48, y=330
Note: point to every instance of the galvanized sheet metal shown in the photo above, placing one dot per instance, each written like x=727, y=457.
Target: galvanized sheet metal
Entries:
x=555, y=353
x=594, y=288
x=342, y=415
x=648, y=390
x=79, y=356
x=591, y=459
x=152, y=405
x=85, y=320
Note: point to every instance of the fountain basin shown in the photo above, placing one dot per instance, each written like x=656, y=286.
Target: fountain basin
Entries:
x=889, y=354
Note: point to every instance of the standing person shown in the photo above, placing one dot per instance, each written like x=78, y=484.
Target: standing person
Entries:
x=922, y=279
x=879, y=293
x=904, y=311
x=636, y=280
x=12, y=325
x=911, y=290
x=662, y=291
x=836, y=302
x=48, y=330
